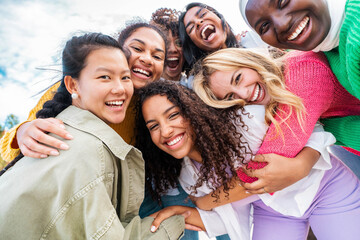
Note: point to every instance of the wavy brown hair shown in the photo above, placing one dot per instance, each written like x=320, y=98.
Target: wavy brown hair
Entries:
x=216, y=136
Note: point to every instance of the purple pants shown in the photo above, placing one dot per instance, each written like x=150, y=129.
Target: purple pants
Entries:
x=333, y=215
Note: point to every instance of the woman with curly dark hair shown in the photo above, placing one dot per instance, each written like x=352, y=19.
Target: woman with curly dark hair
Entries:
x=180, y=136
x=167, y=20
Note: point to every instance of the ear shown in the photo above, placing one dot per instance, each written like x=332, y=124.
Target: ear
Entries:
x=71, y=84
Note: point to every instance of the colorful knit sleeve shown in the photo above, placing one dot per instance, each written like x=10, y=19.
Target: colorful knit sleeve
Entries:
x=8, y=144
x=346, y=130
x=312, y=80
x=345, y=60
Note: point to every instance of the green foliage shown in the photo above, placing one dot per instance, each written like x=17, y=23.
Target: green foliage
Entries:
x=11, y=121
x=2, y=130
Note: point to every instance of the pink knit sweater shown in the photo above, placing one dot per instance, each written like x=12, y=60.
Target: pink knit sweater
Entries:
x=307, y=75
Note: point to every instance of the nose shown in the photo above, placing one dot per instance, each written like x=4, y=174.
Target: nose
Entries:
x=281, y=22
x=118, y=88
x=145, y=58
x=166, y=130
x=172, y=47
x=198, y=22
x=242, y=93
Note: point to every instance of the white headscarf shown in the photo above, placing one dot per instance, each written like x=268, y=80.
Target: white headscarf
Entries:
x=337, y=13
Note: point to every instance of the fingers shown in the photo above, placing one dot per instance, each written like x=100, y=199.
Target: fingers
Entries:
x=186, y=214
x=192, y=227
x=52, y=125
x=34, y=142
x=259, y=191
x=255, y=186
x=261, y=157
x=30, y=153
x=159, y=217
x=250, y=172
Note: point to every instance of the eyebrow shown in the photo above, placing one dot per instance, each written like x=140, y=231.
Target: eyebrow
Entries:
x=138, y=40
x=271, y=2
x=111, y=71
x=104, y=69
x=167, y=110
x=231, y=82
x=196, y=14
x=143, y=43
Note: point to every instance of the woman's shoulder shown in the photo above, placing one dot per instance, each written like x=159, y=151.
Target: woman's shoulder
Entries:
x=295, y=56
x=91, y=133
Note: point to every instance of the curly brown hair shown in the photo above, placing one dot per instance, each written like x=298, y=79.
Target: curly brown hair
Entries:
x=216, y=137
x=167, y=20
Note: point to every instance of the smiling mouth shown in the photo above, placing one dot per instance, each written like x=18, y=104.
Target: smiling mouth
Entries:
x=207, y=32
x=172, y=62
x=142, y=71
x=258, y=94
x=299, y=29
x=114, y=103
x=175, y=140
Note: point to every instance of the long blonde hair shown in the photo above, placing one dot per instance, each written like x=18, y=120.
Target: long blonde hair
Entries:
x=269, y=69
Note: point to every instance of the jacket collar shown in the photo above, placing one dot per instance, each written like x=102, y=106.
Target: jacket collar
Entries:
x=86, y=121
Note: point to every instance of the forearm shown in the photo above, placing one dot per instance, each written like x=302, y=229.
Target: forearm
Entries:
x=236, y=193
x=304, y=162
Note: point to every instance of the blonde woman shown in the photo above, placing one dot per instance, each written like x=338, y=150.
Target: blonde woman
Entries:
x=297, y=91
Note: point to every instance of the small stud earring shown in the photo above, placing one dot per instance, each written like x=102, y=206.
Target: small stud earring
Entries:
x=74, y=96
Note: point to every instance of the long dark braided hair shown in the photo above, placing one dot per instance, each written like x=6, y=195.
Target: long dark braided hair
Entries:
x=74, y=56
x=215, y=137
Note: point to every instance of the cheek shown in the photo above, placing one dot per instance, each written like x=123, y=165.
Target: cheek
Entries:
x=155, y=138
x=131, y=59
x=129, y=88
x=159, y=69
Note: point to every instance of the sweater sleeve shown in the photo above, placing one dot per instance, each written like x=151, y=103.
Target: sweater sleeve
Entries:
x=8, y=144
x=312, y=80
x=345, y=60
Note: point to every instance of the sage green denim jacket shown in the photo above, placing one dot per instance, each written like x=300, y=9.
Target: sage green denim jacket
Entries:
x=91, y=191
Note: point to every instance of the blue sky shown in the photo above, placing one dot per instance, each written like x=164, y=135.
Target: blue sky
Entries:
x=33, y=33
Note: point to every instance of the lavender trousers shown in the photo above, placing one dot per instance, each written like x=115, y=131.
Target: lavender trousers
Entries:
x=333, y=215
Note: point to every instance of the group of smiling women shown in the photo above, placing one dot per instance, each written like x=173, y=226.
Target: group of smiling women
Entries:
x=174, y=125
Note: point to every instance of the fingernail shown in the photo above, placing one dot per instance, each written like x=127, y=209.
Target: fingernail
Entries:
x=68, y=136
x=62, y=126
x=64, y=147
x=54, y=153
x=43, y=155
x=247, y=192
x=153, y=228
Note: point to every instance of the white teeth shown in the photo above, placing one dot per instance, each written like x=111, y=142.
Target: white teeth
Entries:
x=176, y=140
x=299, y=29
x=205, y=28
x=141, y=71
x=173, y=59
x=256, y=94
x=115, y=103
